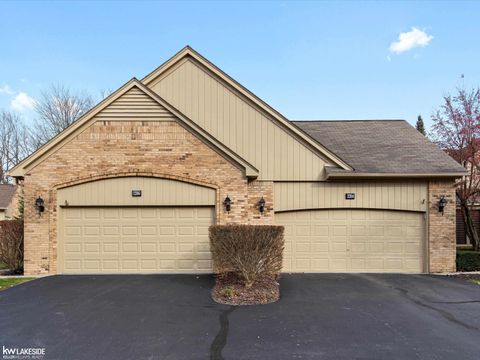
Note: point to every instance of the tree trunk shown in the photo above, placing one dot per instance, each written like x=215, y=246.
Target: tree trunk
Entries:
x=471, y=230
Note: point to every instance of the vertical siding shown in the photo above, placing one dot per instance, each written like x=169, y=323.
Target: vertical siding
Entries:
x=238, y=124
x=405, y=195
x=118, y=192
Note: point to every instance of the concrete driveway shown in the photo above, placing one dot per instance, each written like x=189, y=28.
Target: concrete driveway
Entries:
x=327, y=316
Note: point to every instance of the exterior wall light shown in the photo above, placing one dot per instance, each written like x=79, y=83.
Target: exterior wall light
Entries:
x=442, y=203
x=261, y=205
x=228, y=204
x=40, y=205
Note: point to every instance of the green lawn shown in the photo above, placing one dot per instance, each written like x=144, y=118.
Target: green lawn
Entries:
x=6, y=283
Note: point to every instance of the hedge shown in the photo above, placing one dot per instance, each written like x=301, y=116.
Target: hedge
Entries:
x=251, y=251
x=468, y=261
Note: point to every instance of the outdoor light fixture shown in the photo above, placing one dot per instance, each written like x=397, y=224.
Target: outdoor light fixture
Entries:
x=228, y=204
x=40, y=205
x=261, y=205
x=442, y=203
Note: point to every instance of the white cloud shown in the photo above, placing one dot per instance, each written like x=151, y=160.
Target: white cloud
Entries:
x=22, y=102
x=409, y=40
x=5, y=89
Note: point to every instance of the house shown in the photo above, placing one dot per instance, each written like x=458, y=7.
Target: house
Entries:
x=134, y=184
x=8, y=201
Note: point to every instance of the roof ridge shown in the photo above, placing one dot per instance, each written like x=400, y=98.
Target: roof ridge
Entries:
x=350, y=120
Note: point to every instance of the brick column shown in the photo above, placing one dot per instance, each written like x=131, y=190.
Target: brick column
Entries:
x=441, y=228
x=257, y=190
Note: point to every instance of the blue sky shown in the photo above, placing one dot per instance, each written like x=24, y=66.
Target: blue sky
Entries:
x=309, y=60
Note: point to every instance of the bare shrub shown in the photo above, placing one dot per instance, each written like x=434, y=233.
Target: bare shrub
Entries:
x=11, y=244
x=251, y=251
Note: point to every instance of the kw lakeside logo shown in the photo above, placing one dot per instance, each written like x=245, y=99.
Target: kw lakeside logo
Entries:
x=22, y=353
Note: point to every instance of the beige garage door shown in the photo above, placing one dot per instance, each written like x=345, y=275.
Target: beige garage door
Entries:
x=353, y=241
x=135, y=240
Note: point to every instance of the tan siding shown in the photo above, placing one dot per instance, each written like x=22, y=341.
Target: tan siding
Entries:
x=118, y=192
x=238, y=124
x=135, y=105
x=409, y=195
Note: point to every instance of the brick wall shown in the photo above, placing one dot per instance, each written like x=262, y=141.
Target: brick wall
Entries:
x=441, y=227
x=106, y=149
x=257, y=190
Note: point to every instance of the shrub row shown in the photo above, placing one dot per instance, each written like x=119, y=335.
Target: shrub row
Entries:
x=468, y=261
x=11, y=244
x=251, y=251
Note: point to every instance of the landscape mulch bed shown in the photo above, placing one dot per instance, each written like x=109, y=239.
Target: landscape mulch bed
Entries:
x=229, y=289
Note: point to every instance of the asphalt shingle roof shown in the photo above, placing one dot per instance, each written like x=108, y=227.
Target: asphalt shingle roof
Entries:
x=381, y=146
x=7, y=192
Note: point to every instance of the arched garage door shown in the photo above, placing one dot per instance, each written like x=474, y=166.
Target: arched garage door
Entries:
x=104, y=229
x=353, y=240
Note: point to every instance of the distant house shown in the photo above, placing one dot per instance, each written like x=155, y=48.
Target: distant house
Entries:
x=8, y=201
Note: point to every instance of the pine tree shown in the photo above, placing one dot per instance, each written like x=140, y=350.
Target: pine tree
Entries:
x=420, y=126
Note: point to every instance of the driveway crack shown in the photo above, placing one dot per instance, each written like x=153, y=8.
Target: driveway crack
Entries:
x=221, y=339
x=448, y=316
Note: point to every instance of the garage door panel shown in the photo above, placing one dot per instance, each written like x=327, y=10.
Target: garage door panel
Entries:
x=148, y=213
x=135, y=240
x=129, y=213
x=73, y=265
x=111, y=247
x=321, y=264
x=148, y=264
x=92, y=247
x=73, y=247
x=73, y=230
x=109, y=213
x=205, y=265
x=111, y=265
x=353, y=240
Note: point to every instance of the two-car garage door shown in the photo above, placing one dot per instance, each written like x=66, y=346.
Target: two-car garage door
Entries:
x=348, y=240
x=136, y=240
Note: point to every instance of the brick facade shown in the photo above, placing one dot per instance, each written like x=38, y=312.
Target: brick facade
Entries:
x=122, y=148
x=441, y=227
x=164, y=149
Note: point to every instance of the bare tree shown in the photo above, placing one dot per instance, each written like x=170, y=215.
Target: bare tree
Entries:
x=57, y=108
x=456, y=129
x=15, y=142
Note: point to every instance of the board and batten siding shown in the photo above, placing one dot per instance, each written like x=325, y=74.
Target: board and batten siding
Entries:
x=118, y=192
x=405, y=195
x=238, y=124
x=135, y=105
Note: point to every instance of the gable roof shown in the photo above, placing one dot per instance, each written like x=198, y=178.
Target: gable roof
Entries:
x=188, y=52
x=381, y=147
x=7, y=192
x=84, y=121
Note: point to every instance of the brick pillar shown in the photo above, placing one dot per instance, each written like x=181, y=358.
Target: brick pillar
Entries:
x=257, y=190
x=441, y=228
